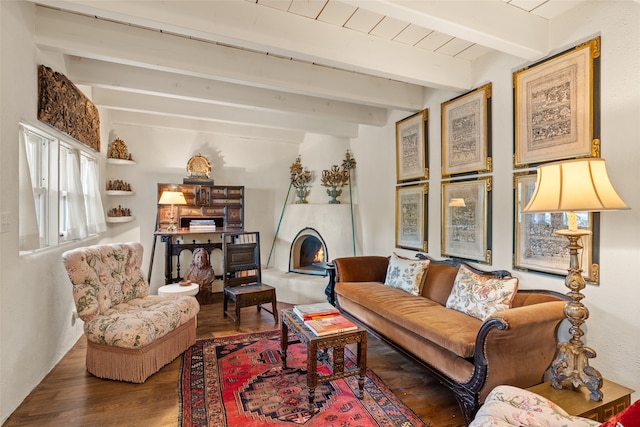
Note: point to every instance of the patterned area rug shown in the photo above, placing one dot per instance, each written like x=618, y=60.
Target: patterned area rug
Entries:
x=239, y=381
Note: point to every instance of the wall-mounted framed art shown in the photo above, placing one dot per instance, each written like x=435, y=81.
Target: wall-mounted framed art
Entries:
x=537, y=248
x=466, y=133
x=466, y=219
x=412, y=154
x=557, y=107
x=411, y=216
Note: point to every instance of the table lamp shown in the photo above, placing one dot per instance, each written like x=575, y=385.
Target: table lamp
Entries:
x=172, y=198
x=580, y=185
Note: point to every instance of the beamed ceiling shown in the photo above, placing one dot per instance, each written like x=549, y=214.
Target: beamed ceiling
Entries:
x=275, y=69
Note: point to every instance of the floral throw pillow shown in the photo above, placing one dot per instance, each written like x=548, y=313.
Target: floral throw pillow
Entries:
x=480, y=296
x=406, y=274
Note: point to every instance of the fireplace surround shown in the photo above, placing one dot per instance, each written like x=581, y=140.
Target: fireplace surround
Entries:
x=308, y=253
x=334, y=227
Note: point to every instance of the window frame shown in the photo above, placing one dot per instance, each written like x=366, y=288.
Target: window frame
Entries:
x=50, y=197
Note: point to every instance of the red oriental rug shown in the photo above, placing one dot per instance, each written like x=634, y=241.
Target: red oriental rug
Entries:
x=239, y=381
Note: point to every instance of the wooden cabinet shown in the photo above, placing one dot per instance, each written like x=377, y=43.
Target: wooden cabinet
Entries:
x=224, y=204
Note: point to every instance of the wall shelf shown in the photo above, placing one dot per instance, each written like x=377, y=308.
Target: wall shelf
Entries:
x=120, y=193
x=121, y=162
x=118, y=219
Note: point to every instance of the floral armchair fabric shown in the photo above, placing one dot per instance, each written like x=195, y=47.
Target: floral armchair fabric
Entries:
x=512, y=406
x=112, y=297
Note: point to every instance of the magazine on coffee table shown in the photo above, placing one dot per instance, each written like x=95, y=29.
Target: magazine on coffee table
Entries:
x=330, y=325
x=315, y=311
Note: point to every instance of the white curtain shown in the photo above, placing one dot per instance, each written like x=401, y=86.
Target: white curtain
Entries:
x=28, y=231
x=77, y=217
x=96, y=222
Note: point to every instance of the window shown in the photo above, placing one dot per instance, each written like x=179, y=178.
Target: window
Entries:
x=37, y=151
x=62, y=186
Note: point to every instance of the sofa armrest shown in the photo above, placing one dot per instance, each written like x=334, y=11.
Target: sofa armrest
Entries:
x=518, y=345
x=361, y=269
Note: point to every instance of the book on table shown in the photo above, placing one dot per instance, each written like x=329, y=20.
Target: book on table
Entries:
x=314, y=311
x=330, y=325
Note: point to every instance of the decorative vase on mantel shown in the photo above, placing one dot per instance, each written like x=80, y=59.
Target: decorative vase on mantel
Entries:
x=301, y=194
x=337, y=177
x=334, y=192
x=301, y=177
x=334, y=179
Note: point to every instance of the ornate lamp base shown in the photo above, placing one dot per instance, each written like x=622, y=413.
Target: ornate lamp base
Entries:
x=173, y=225
x=571, y=365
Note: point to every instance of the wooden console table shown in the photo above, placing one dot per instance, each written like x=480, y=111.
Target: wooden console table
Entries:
x=576, y=402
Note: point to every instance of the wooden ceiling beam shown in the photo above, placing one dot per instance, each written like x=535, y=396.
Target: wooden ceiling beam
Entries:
x=126, y=77
x=139, y=102
x=115, y=42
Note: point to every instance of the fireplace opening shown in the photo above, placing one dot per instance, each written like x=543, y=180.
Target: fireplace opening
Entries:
x=308, y=253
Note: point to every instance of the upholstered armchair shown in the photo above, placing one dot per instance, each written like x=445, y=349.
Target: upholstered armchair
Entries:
x=130, y=333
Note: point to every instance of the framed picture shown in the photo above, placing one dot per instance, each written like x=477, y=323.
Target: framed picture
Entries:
x=411, y=217
x=466, y=219
x=411, y=148
x=557, y=107
x=466, y=133
x=536, y=246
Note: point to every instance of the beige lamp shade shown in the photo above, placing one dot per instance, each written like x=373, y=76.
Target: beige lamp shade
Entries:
x=172, y=198
x=580, y=185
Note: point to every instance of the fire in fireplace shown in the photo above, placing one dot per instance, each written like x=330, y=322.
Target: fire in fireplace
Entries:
x=308, y=253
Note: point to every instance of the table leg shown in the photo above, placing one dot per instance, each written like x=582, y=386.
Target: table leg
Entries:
x=274, y=307
x=362, y=362
x=225, y=303
x=338, y=360
x=312, y=378
x=237, y=315
x=284, y=343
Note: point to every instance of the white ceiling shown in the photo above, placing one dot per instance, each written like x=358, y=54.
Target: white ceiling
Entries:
x=275, y=69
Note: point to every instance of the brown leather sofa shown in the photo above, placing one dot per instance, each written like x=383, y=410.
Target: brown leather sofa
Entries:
x=471, y=357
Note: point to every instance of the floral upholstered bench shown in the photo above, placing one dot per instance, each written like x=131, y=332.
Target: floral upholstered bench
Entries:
x=130, y=333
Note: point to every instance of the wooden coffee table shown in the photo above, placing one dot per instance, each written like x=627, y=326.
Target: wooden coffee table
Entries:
x=292, y=323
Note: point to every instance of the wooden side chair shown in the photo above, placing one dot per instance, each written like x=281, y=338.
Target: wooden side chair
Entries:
x=243, y=277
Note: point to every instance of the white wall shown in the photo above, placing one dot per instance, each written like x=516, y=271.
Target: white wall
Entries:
x=35, y=295
x=614, y=324
x=262, y=167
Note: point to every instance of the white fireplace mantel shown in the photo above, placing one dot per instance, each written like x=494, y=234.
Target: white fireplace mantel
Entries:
x=334, y=223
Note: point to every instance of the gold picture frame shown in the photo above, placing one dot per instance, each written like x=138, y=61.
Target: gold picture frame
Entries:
x=412, y=157
x=536, y=247
x=466, y=219
x=557, y=107
x=466, y=133
x=411, y=216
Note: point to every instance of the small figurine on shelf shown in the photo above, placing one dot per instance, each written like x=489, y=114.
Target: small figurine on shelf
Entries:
x=119, y=211
x=118, y=150
x=118, y=185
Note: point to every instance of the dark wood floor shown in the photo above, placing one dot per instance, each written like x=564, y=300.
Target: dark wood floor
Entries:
x=69, y=396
